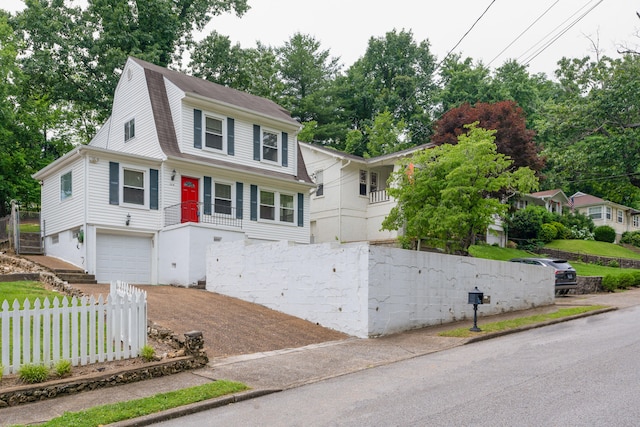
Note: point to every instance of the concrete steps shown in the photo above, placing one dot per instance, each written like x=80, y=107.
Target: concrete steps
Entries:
x=75, y=276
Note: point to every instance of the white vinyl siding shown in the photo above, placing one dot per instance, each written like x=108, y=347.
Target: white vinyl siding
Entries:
x=243, y=147
x=61, y=215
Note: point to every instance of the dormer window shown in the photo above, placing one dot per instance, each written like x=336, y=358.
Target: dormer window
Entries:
x=213, y=133
x=129, y=130
x=269, y=146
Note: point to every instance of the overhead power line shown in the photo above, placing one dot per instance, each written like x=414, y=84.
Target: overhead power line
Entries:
x=555, y=38
x=523, y=32
x=465, y=34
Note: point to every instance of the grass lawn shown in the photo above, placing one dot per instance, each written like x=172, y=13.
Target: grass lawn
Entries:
x=11, y=291
x=591, y=247
x=519, y=322
x=498, y=254
x=107, y=414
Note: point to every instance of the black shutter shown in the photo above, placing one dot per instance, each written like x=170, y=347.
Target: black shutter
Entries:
x=207, y=195
x=300, y=210
x=197, y=128
x=231, y=136
x=239, y=196
x=153, y=189
x=256, y=143
x=285, y=149
x=114, y=183
x=254, y=203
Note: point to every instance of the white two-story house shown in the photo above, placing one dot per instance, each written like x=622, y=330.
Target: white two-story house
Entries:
x=351, y=201
x=180, y=164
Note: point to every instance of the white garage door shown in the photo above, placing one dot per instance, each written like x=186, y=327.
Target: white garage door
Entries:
x=120, y=257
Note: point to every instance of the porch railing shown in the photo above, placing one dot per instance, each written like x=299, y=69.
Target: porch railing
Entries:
x=198, y=212
x=379, y=196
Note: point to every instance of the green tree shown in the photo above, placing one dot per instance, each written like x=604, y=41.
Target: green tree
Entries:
x=385, y=136
x=591, y=131
x=444, y=194
x=462, y=81
x=395, y=74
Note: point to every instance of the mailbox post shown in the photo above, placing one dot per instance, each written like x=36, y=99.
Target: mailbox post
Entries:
x=475, y=297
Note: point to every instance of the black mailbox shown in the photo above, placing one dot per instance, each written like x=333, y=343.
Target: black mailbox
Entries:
x=476, y=296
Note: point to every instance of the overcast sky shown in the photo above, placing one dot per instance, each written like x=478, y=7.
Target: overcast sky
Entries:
x=520, y=28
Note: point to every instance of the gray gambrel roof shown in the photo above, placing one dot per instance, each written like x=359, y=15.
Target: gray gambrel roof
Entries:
x=224, y=94
x=155, y=76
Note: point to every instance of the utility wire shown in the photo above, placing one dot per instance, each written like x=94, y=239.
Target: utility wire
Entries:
x=465, y=35
x=531, y=58
x=523, y=32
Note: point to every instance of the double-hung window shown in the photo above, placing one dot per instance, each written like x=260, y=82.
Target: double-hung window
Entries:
x=222, y=199
x=133, y=187
x=267, y=205
x=213, y=133
x=636, y=221
x=608, y=210
x=363, y=182
x=276, y=206
x=287, y=212
x=129, y=130
x=65, y=186
x=319, y=183
x=270, y=146
x=620, y=216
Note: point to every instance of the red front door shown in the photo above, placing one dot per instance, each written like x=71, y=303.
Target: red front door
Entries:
x=189, y=199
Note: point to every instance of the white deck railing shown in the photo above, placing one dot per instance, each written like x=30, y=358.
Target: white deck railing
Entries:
x=81, y=330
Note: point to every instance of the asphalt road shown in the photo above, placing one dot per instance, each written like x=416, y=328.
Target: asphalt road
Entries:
x=578, y=373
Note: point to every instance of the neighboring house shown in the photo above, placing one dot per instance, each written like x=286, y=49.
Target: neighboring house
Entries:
x=351, y=201
x=552, y=200
x=180, y=164
x=603, y=212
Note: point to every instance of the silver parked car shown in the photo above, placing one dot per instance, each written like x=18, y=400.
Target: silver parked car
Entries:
x=566, y=277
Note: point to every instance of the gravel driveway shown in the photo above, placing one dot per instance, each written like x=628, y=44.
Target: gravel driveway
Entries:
x=230, y=326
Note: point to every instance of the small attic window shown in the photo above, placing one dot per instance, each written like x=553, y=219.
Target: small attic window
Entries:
x=129, y=130
x=129, y=74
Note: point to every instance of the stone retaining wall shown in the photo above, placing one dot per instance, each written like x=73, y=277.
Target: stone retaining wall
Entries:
x=588, y=285
x=590, y=259
x=35, y=392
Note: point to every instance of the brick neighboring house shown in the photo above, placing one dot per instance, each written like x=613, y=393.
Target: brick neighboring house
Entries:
x=603, y=212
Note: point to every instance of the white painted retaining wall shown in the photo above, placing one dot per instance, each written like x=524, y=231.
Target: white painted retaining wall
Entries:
x=367, y=291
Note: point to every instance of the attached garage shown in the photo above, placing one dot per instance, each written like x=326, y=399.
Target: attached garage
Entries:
x=123, y=257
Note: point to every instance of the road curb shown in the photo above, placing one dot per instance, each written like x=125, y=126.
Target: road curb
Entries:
x=193, y=408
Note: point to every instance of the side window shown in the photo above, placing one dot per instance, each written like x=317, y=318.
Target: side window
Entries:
x=133, y=187
x=374, y=182
x=286, y=208
x=129, y=130
x=620, y=216
x=319, y=183
x=65, y=186
x=269, y=146
x=363, y=182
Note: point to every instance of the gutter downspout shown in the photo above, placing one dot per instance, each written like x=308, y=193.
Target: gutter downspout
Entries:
x=340, y=202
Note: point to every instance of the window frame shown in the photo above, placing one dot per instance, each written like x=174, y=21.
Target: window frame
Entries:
x=319, y=174
x=215, y=197
x=362, y=179
x=373, y=176
x=620, y=216
x=277, y=148
x=223, y=132
x=595, y=212
x=277, y=207
x=124, y=186
x=129, y=129
x=64, y=195
x=636, y=221
x=607, y=210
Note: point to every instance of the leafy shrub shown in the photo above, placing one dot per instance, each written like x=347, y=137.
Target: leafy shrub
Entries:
x=604, y=233
x=526, y=223
x=563, y=231
x=625, y=280
x=148, y=353
x=578, y=221
x=613, y=263
x=62, y=368
x=610, y=283
x=636, y=278
x=631, y=238
x=33, y=373
x=548, y=232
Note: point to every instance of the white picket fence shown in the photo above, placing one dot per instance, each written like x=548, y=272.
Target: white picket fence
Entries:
x=81, y=330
